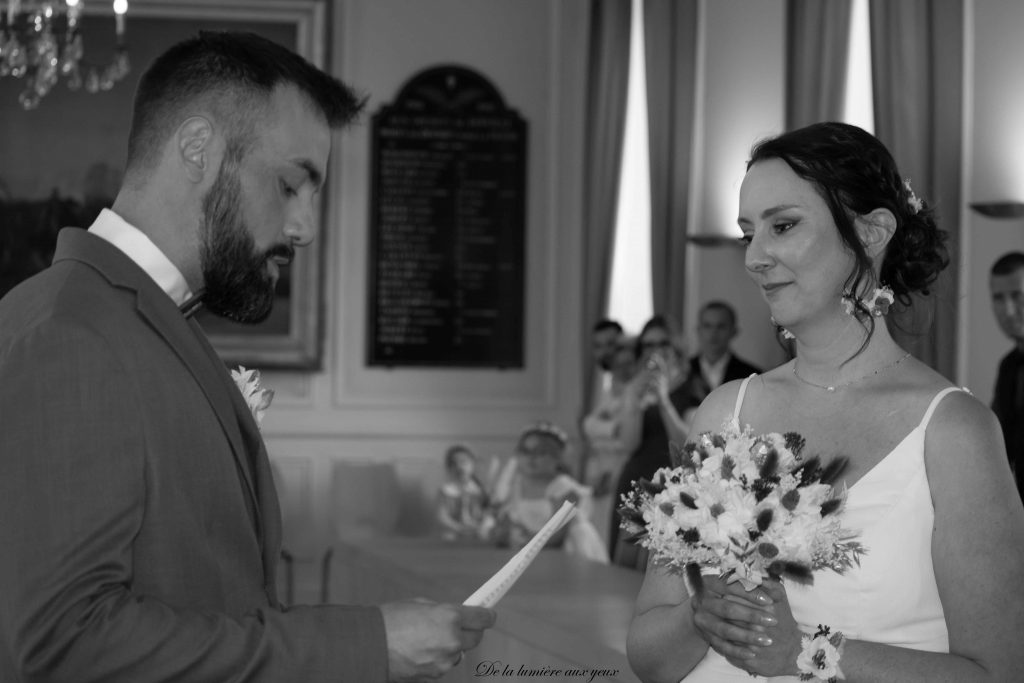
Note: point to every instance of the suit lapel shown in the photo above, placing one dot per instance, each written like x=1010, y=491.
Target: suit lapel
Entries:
x=189, y=343
x=731, y=370
x=270, y=512
x=734, y=370
x=225, y=398
x=265, y=492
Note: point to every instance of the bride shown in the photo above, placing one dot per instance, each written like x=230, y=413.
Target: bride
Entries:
x=834, y=236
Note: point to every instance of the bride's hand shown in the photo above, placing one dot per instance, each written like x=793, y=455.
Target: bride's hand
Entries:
x=777, y=658
x=732, y=621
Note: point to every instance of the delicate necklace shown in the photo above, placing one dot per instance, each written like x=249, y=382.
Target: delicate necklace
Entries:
x=831, y=388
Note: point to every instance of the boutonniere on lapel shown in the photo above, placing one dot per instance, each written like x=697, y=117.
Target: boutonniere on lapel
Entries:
x=256, y=397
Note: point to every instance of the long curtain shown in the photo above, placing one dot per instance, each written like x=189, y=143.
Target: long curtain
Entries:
x=607, y=82
x=917, y=56
x=817, y=43
x=670, y=33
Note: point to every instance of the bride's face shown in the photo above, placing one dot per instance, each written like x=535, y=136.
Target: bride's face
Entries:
x=794, y=251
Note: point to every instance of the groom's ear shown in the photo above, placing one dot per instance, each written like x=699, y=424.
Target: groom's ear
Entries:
x=875, y=229
x=194, y=148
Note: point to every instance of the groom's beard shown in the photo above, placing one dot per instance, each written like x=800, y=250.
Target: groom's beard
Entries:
x=238, y=285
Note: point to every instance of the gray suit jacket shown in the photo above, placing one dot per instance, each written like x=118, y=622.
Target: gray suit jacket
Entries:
x=139, y=526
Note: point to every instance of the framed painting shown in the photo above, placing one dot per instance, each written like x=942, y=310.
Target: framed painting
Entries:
x=68, y=153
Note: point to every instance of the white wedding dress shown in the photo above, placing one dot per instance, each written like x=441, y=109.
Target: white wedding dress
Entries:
x=892, y=597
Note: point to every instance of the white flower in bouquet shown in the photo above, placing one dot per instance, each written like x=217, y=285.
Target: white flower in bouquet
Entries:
x=256, y=397
x=747, y=505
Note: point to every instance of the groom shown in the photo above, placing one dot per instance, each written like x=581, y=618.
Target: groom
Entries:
x=139, y=522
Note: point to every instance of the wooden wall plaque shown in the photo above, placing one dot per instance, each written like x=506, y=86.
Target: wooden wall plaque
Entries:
x=447, y=226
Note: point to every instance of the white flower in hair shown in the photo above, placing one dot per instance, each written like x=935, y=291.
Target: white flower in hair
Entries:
x=913, y=200
x=881, y=299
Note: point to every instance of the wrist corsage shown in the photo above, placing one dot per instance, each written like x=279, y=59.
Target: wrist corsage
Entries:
x=819, y=657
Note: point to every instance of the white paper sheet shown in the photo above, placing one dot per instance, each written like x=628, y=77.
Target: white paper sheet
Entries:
x=494, y=588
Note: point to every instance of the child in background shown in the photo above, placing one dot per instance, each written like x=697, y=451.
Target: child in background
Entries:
x=463, y=506
x=533, y=486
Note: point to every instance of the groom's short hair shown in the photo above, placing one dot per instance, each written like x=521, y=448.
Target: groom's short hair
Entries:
x=231, y=76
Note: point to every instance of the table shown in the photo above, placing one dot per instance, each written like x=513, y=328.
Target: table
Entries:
x=566, y=618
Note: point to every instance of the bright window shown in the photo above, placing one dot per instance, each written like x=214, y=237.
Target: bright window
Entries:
x=630, y=297
x=859, y=106
x=631, y=300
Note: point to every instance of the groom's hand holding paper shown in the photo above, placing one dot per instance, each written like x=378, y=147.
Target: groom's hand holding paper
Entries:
x=427, y=639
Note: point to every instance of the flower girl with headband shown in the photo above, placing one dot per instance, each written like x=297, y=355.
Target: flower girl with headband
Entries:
x=533, y=485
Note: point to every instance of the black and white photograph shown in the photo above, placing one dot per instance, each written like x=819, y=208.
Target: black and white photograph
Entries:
x=598, y=341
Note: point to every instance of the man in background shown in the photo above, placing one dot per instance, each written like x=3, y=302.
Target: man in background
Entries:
x=603, y=341
x=140, y=523
x=1006, y=284
x=605, y=336
x=715, y=363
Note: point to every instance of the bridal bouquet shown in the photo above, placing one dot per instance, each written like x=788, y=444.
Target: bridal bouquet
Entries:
x=749, y=505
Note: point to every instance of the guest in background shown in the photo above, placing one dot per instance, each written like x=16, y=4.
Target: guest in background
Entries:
x=1006, y=283
x=715, y=362
x=606, y=430
x=533, y=486
x=667, y=400
x=141, y=528
x=463, y=506
x=604, y=337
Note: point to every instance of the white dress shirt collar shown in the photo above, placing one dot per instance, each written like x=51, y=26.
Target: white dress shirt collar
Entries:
x=714, y=373
x=140, y=249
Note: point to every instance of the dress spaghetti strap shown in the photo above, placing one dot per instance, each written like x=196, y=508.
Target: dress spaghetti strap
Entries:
x=934, y=404
x=739, y=396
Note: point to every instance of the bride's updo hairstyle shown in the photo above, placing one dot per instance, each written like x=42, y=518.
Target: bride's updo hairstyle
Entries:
x=855, y=174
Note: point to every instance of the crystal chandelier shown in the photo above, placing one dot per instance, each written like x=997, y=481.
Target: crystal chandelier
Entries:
x=40, y=41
